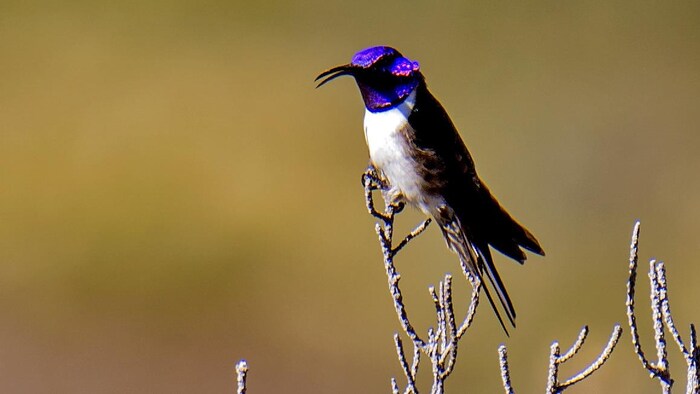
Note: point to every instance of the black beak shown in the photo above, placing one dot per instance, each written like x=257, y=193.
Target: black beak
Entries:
x=334, y=73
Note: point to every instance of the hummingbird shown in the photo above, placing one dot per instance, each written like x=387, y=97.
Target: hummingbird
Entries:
x=414, y=145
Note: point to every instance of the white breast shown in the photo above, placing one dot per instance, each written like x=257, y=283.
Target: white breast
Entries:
x=389, y=150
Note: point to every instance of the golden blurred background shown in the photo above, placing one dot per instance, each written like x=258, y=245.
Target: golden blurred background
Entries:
x=177, y=196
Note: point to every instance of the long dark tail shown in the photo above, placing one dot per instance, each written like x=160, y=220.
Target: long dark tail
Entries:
x=486, y=264
x=477, y=260
x=498, y=229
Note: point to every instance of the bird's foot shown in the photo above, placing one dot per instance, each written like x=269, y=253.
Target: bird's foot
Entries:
x=394, y=200
x=373, y=180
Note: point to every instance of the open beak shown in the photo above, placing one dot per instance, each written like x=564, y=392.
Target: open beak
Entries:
x=334, y=73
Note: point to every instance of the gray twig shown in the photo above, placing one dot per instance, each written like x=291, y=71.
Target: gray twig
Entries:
x=691, y=353
x=662, y=318
x=241, y=374
x=505, y=370
x=576, y=346
x=556, y=359
x=693, y=360
x=658, y=369
x=394, y=387
x=442, y=342
x=407, y=370
x=660, y=271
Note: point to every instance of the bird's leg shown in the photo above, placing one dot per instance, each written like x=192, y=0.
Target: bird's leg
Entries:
x=394, y=200
x=372, y=179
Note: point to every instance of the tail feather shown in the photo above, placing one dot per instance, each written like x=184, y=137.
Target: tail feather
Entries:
x=496, y=312
x=486, y=261
x=477, y=260
x=508, y=236
x=497, y=228
x=510, y=249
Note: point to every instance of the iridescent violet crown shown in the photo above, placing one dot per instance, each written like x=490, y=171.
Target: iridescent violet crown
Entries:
x=384, y=76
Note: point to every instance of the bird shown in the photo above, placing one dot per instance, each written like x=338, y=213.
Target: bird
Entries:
x=415, y=146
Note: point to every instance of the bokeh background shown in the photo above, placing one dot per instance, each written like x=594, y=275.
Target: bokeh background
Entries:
x=175, y=195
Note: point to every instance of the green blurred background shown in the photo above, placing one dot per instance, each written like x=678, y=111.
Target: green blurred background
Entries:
x=176, y=195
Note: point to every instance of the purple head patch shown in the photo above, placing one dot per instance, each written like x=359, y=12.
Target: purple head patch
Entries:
x=367, y=57
x=384, y=76
x=401, y=66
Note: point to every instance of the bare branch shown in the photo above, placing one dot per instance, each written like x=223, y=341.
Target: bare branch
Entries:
x=241, y=374
x=394, y=387
x=691, y=354
x=602, y=358
x=372, y=181
x=451, y=350
x=554, y=352
x=556, y=359
x=441, y=343
x=434, y=354
x=441, y=331
x=659, y=369
x=693, y=385
x=416, y=360
x=631, y=317
x=576, y=346
x=505, y=371
x=410, y=377
x=660, y=270
x=471, y=312
x=385, y=232
x=399, y=306
x=416, y=232
x=657, y=317
x=449, y=309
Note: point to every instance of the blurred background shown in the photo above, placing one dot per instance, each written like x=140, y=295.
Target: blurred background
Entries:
x=175, y=194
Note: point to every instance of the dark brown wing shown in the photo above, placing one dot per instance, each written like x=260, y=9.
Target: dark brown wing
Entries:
x=451, y=168
x=473, y=202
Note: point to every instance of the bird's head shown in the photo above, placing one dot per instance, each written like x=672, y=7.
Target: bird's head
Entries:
x=384, y=76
